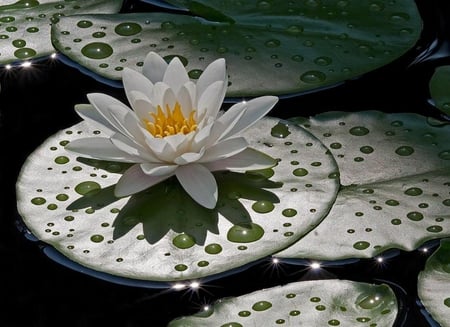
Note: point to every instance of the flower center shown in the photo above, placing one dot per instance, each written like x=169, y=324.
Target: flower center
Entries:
x=170, y=122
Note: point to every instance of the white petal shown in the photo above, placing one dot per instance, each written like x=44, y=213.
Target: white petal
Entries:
x=140, y=153
x=135, y=81
x=175, y=75
x=134, y=180
x=224, y=149
x=249, y=159
x=256, y=109
x=226, y=122
x=159, y=90
x=215, y=71
x=211, y=100
x=99, y=148
x=141, y=104
x=199, y=183
x=103, y=104
x=188, y=157
x=154, y=67
x=93, y=117
x=185, y=101
x=157, y=169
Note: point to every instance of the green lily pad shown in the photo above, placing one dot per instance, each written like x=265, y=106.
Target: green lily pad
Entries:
x=159, y=235
x=25, y=24
x=434, y=284
x=395, y=176
x=440, y=89
x=301, y=45
x=311, y=303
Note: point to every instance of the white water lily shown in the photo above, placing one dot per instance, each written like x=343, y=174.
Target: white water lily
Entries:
x=175, y=127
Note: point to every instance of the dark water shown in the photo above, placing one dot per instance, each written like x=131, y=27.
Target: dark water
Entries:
x=37, y=290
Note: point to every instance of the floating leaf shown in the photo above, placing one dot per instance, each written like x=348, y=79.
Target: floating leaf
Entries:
x=54, y=188
x=434, y=284
x=311, y=303
x=301, y=45
x=395, y=175
x=440, y=89
x=25, y=25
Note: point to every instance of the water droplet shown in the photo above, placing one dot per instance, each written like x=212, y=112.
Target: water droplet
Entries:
x=297, y=58
x=447, y=302
x=366, y=149
x=97, y=238
x=19, y=43
x=127, y=29
x=273, y=43
x=323, y=61
x=404, y=150
x=434, y=229
x=32, y=29
x=414, y=216
x=232, y=324
x=84, y=24
x=414, y=191
x=24, y=53
x=38, y=201
x=445, y=155
x=97, y=50
x=363, y=319
x=261, y=305
x=320, y=307
x=181, y=267
x=280, y=130
x=375, y=299
x=294, y=313
x=359, y=131
x=98, y=35
x=313, y=77
x=62, y=197
x=399, y=17
x=294, y=29
x=244, y=313
x=361, y=245
x=85, y=188
x=245, y=234
x=392, y=202
x=300, y=172
x=263, y=206
x=183, y=241
x=195, y=73
x=334, y=322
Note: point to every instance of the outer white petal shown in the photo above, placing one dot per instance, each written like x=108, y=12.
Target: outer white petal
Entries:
x=225, y=123
x=158, y=169
x=215, y=71
x=211, y=100
x=93, y=117
x=199, y=183
x=175, y=75
x=134, y=180
x=249, y=159
x=154, y=67
x=224, y=149
x=135, y=81
x=256, y=109
x=103, y=104
x=99, y=148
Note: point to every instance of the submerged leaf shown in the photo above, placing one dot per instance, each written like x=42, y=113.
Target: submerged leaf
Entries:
x=300, y=45
x=440, y=89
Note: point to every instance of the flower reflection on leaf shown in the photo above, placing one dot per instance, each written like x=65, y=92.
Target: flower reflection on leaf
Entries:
x=175, y=128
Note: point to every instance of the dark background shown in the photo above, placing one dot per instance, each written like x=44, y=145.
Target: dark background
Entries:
x=36, y=103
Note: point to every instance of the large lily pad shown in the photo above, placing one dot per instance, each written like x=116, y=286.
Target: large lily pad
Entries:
x=434, y=284
x=25, y=25
x=440, y=89
x=395, y=175
x=311, y=303
x=302, y=45
x=161, y=235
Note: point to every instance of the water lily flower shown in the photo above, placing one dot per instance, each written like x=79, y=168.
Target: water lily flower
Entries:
x=174, y=127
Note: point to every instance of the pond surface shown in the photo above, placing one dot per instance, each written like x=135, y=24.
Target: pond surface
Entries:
x=41, y=288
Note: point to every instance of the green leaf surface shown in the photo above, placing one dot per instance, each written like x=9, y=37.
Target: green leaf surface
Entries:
x=395, y=176
x=434, y=284
x=440, y=88
x=25, y=24
x=310, y=303
x=271, y=47
x=67, y=203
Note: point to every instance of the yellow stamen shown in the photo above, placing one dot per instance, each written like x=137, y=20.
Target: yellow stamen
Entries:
x=170, y=122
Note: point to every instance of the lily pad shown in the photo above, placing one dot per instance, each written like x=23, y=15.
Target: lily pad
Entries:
x=311, y=303
x=440, y=89
x=67, y=203
x=395, y=176
x=302, y=45
x=434, y=284
x=25, y=25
